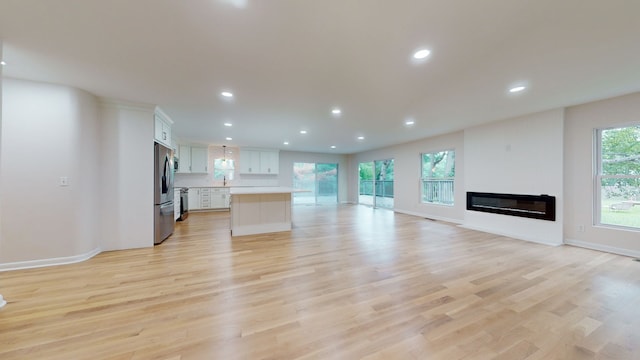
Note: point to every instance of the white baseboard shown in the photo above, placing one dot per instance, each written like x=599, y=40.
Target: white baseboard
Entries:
x=30, y=264
x=513, y=236
x=600, y=247
x=428, y=216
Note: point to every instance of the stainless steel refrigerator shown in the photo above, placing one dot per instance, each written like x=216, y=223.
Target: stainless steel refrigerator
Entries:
x=163, y=188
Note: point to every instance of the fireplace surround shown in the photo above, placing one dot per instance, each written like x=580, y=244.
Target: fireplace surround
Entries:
x=530, y=206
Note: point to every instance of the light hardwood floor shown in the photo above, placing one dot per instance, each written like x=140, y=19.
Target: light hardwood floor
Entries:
x=347, y=282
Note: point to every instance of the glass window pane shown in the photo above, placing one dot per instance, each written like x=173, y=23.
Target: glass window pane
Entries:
x=620, y=153
x=327, y=178
x=619, y=205
x=365, y=170
x=438, y=172
x=619, y=166
x=223, y=169
x=319, y=180
x=383, y=184
x=426, y=165
x=304, y=178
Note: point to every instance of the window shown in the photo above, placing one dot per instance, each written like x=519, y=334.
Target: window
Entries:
x=618, y=177
x=438, y=172
x=223, y=169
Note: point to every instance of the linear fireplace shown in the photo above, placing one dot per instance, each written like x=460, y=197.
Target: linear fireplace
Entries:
x=530, y=206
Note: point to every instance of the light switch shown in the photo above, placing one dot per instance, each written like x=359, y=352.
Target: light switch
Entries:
x=64, y=181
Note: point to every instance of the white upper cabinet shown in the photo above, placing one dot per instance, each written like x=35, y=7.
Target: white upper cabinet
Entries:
x=249, y=162
x=259, y=161
x=199, y=159
x=184, y=159
x=162, y=126
x=193, y=159
x=269, y=162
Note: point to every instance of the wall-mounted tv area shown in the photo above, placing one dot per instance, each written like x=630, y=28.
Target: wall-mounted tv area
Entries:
x=531, y=206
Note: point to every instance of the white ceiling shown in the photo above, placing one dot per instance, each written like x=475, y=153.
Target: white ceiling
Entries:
x=289, y=62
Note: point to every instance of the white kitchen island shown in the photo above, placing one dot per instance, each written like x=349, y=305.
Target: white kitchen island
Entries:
x=259, y=210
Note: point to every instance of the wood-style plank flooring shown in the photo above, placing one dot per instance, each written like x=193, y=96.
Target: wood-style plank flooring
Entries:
x=348, y=282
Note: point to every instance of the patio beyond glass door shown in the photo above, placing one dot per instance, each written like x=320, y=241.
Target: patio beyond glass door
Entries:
x=376, y=183
x=319, y=180
x=383, y=184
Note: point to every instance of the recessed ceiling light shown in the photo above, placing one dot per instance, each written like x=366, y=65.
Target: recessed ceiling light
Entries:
x=336, y=111
x=229, y=139
x=3, y=63
x=333, y=146
x=421, y=54
x=226, y=94
x=228, y=124
x=360, y=137
x=517, y=89
x=409, y=122
x=286, y=143
x=303, y=132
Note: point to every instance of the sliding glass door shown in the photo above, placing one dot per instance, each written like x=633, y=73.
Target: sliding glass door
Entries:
x=365, y=193
x=319, y=180
x=384, y=184
x=376, y=183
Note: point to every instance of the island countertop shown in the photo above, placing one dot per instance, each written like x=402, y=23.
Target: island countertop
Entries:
x=253, y=190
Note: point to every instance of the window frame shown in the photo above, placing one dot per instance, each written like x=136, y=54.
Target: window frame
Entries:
x=222, y=173
x=598, y=176
x=424, y=179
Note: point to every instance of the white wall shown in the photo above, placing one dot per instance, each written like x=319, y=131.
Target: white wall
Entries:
x=518, y=156
x=1, y=83
x=407, y=175
x=106, y=153
x=580, y=124
x=127, y=165
x=48, y=131
x=2, y=301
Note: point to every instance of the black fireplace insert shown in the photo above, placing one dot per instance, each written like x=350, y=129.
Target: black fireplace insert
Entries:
x=531, y=206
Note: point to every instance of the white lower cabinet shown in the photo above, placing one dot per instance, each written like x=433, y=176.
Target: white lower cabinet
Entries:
x=220, y=198
x=204, y=198
x=194, y=198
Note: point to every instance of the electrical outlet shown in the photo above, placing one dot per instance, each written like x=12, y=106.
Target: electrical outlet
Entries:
x=580, y=228
x=64, y=181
